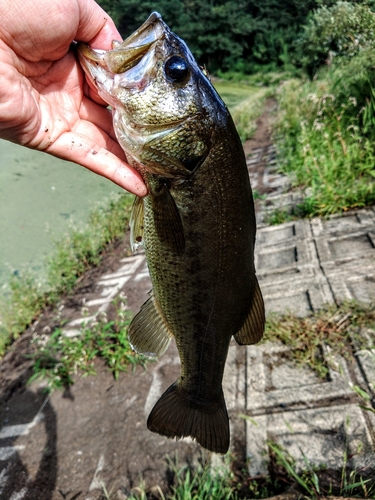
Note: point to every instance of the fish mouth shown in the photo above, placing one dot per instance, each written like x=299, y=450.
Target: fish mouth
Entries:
x=100, y=64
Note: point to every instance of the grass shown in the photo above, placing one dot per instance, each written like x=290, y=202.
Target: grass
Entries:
x=226, y=483
x=201, y=483
x=246, y=113
x=26, y=296
x=335, y=327
x=257, y=78
x=323, y=146
x=245, y=103
x=58, y=358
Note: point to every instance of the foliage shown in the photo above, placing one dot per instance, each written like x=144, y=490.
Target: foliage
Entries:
x=224, y=34
x=354, y=78
x=325, y=136
x=25, y=296
x=344, y=29
x=58, y=358
x=215, y=31
x=263, y=78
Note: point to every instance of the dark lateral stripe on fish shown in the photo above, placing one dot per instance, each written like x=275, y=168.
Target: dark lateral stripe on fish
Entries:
x=175, y=416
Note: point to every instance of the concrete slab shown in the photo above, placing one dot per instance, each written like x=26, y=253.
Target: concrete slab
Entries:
x=270, y=389
x=319, y=437
x=301, y=267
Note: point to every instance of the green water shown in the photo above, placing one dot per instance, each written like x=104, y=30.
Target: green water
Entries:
x=40, y=196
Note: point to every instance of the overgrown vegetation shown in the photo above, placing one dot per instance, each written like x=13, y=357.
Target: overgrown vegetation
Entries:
x=230, y=482
x=246, y=113
x=344, y=29
x=25, y=296
x=58, y=357
x=325, y=135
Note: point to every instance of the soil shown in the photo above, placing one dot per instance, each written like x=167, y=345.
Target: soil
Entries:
x=95, y=432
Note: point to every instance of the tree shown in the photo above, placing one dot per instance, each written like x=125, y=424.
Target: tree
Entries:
x=226, y=34
x=344, y=29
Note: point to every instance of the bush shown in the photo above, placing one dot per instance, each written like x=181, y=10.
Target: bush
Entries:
x=356, y=78
x=326, y=138
x=343, y=29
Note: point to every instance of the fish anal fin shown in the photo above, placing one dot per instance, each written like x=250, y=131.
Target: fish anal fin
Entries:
x=168, y=224
x=252, y=330
x=176, y=416
x=148, y=334
x=137, y=224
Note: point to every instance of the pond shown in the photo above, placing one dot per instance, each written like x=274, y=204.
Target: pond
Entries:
x=40, y=196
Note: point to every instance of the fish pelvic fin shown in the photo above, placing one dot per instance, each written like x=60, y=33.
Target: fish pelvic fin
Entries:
x=252, y=330
x=176, y=415
x=137, y=224
x=148, y=333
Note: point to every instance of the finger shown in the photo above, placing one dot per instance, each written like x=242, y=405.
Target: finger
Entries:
x=96, y=26
x=99, y=116
x=83, y=150
x=99, y=136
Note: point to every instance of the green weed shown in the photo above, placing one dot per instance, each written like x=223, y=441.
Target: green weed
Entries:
x=278, y=216
x=58, y=357
x=202, y=485
x=225, y=483
x=25, y=296
x=305, y=336
x=206, y=483
x=323, y=143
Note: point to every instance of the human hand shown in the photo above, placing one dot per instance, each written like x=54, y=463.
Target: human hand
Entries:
x=45, y=102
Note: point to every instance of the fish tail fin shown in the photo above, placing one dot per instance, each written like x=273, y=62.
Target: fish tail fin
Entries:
x=175, y=416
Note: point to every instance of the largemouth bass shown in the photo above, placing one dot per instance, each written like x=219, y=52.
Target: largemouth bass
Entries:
x=197, y=221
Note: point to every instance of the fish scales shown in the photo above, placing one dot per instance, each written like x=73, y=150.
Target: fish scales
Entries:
x=197, y=222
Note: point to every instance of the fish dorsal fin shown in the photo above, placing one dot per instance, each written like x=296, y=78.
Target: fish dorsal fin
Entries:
x=252, y=330
x=168, y=224
x=148, y=334
x=137, y=224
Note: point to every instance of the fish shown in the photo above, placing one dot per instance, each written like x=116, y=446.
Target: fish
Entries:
x=197, y=221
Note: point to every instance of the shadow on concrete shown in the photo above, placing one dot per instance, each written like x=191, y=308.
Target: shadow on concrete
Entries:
x=31, y=480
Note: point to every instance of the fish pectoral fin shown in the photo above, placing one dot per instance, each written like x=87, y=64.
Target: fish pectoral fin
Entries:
x=137, y=224
x=168, y=222
x=176, y=415
x=252, y=330
x=148, y=334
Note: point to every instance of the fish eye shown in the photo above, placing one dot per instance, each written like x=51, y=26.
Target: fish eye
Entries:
x=176, y=69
